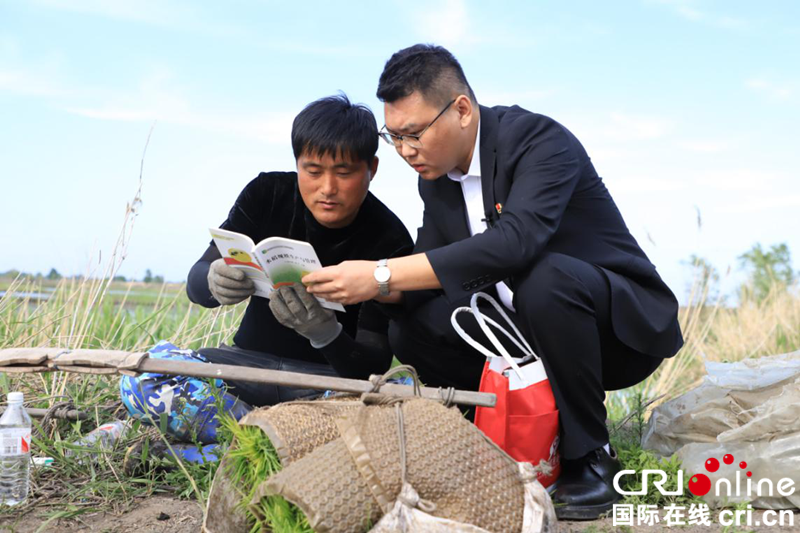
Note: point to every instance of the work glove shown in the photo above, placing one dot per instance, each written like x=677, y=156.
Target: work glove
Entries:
x=294, y=308
x=229, y=285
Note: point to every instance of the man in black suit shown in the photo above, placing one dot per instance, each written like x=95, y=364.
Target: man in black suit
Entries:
x=514, y=207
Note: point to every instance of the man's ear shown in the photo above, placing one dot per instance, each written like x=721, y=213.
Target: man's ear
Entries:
x=465, y=109
x=373, y=168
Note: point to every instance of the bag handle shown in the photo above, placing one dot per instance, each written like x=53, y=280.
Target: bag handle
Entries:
x=475, y=344
x=522, y=344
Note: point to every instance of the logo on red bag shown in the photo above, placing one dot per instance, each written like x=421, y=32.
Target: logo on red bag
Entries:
x=700, y=484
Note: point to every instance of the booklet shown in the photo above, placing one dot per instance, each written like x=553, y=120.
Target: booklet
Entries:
x=271, y=263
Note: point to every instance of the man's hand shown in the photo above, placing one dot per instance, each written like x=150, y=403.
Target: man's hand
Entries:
x=347, y=283
x=228, y=285
x=295, y=308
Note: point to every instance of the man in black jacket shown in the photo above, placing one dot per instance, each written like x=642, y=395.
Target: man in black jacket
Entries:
x=514, y=207
x=326, y=203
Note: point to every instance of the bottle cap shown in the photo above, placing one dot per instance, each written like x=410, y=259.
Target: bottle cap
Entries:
x=15, y=397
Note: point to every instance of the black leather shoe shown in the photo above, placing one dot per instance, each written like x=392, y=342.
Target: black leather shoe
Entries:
x=585, y=487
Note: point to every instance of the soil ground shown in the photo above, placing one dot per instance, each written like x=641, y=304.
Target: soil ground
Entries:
x=162, y=514
x=157, y=514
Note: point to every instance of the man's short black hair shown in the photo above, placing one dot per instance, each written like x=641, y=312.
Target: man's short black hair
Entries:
x=432, y=70
x=334, y=126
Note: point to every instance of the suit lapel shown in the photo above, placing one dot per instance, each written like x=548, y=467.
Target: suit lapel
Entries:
x=453, y=212
x=489, y=126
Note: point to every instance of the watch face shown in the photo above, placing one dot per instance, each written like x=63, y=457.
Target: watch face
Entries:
x=382, y=274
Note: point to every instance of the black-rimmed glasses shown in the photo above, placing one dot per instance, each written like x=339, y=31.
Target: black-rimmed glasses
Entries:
x=410, y=140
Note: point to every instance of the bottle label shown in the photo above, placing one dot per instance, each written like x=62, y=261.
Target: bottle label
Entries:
x=15, y=441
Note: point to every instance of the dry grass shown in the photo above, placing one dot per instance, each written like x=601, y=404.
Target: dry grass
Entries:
x=713, y=332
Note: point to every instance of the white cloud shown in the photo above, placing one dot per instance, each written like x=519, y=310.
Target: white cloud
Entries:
x=273, y=128
x=149, y=11
x=520, y=98
x=28, y=84
x=687, y=9
x=113, y=113
x=738, y=180
x=595, y=29
x=770, y=88
x=173, y=14
x=731, y=23
x=447, y=23
x=644, y=184
x=638, y=127
x=617, y=132
x=30, y=76
x=762, y=204
x=603, y=153
x=705, y=146
x=158, y=97
x=689, y=12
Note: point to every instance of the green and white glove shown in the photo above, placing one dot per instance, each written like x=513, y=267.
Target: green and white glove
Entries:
x=229, y=285
x=294, y=308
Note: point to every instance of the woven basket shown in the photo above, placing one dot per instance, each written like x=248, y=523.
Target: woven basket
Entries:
x=295, y=429
x=347, y=484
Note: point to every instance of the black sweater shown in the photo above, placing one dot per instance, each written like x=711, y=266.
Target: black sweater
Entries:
x=271, y=205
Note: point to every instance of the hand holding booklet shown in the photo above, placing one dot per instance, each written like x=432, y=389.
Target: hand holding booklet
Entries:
x=273, y=262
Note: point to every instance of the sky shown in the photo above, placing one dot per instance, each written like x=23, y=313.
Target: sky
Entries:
x=688, y=109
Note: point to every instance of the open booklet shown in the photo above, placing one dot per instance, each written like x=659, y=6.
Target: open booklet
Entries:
x=273, y=262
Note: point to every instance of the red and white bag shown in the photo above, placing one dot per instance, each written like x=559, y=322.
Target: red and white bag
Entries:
x=524, y=422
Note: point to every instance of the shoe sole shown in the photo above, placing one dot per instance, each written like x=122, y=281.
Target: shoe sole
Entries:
x=584, y=512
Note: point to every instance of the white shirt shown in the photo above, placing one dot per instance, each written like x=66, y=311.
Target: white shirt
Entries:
x=473, y=199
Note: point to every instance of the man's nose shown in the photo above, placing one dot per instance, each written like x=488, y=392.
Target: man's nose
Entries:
x=329, y=185
x=406, y=151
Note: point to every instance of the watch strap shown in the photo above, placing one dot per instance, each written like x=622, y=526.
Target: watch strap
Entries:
x=383, y=286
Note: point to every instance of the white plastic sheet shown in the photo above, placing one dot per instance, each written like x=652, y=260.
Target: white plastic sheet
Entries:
x=750, y=410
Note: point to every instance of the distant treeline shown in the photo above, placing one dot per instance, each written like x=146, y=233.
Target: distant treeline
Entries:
x=768, y=270
x=55, y=275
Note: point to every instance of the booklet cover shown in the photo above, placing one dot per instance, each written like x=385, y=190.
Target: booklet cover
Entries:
x=273, y=262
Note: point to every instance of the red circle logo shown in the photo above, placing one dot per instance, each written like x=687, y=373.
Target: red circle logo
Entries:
x=712, y=465
x=699, y=485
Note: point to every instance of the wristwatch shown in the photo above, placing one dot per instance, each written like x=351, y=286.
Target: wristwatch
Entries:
x=382, y=275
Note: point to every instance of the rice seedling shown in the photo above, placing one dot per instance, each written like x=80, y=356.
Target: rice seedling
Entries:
x=253, y=459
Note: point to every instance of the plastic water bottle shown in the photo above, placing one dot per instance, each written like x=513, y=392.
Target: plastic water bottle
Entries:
x=103, y=437
x=15, y=451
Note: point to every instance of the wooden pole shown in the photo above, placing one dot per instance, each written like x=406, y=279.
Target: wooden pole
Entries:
x=101, y=361
x=35, y=412
x=305, y=381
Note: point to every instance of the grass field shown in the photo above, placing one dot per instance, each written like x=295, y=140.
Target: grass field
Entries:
x=129, y=293
x=96, y=313
x=81, y=314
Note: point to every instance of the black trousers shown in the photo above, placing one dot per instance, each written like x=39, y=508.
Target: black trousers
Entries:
x=261, y=394
x=563, y=307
